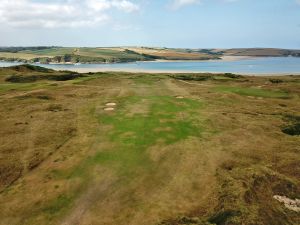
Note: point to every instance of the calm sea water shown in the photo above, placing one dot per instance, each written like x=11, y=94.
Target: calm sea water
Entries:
x=266, y=65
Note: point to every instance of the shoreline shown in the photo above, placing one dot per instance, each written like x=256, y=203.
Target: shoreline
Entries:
x=83, y=70
x=226, y=58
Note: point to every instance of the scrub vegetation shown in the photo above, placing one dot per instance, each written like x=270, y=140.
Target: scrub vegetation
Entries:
x=147, y=149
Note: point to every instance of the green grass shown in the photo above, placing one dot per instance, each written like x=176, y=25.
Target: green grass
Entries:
x=256, y=92
x=134, y=134
x=50, y=51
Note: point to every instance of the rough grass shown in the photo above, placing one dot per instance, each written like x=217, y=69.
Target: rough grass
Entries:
x=21, y=87
x=34, y=78
x=209, y=158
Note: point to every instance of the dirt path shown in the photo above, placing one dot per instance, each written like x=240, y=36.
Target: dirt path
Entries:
x=95, y=192
x=98, y=188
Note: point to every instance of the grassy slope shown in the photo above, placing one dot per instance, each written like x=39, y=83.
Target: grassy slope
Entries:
x=108, y=54
x=261, y=52
x=216, y=156
x=83, y=55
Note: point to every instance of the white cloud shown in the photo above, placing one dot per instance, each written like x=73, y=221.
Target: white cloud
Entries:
x=176, y=4
x=56, y=14
x=123, y=5
x=122, y=27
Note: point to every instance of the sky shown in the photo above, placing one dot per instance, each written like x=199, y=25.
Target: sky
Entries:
x=153, y=23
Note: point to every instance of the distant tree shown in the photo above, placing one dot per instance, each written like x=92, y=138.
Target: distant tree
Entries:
x=58, y=59
x=67, y=57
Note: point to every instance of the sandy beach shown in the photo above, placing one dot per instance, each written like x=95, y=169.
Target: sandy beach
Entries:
x=95, y=70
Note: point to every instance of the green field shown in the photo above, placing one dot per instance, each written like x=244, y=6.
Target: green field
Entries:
x=147, y=149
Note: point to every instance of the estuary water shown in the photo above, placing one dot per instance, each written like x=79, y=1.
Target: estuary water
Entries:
x=261, y=65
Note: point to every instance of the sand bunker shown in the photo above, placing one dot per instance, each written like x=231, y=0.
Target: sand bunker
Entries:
x=289, y=203
x=111, y=104
x=179, y=97
x=109, y=109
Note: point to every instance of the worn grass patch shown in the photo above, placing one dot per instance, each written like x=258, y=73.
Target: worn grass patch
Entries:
x=55, y=206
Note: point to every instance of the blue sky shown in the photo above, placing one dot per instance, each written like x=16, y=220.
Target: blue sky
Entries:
x=165, y=23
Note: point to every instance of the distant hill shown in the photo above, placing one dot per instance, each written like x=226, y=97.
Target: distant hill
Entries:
x=259, y=52
x=52, y=54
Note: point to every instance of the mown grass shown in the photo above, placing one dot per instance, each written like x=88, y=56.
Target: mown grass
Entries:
x=256, y=92
x=167, y=121
x=144, y=79
x=133, y=134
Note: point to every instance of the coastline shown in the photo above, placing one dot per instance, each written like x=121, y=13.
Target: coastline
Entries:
x=94, y=68
x=84, y=70
x=225, y=58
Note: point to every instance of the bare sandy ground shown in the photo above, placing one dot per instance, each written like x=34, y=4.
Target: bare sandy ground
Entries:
x=236, y=58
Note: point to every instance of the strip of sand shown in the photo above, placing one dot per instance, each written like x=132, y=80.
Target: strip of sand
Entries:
x=96, y=70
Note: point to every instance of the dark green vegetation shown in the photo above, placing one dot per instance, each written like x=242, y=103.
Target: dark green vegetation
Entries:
x=169, y=149
x=294, y=125
x=41, y=73
x=18, y=49
x=206, y=76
